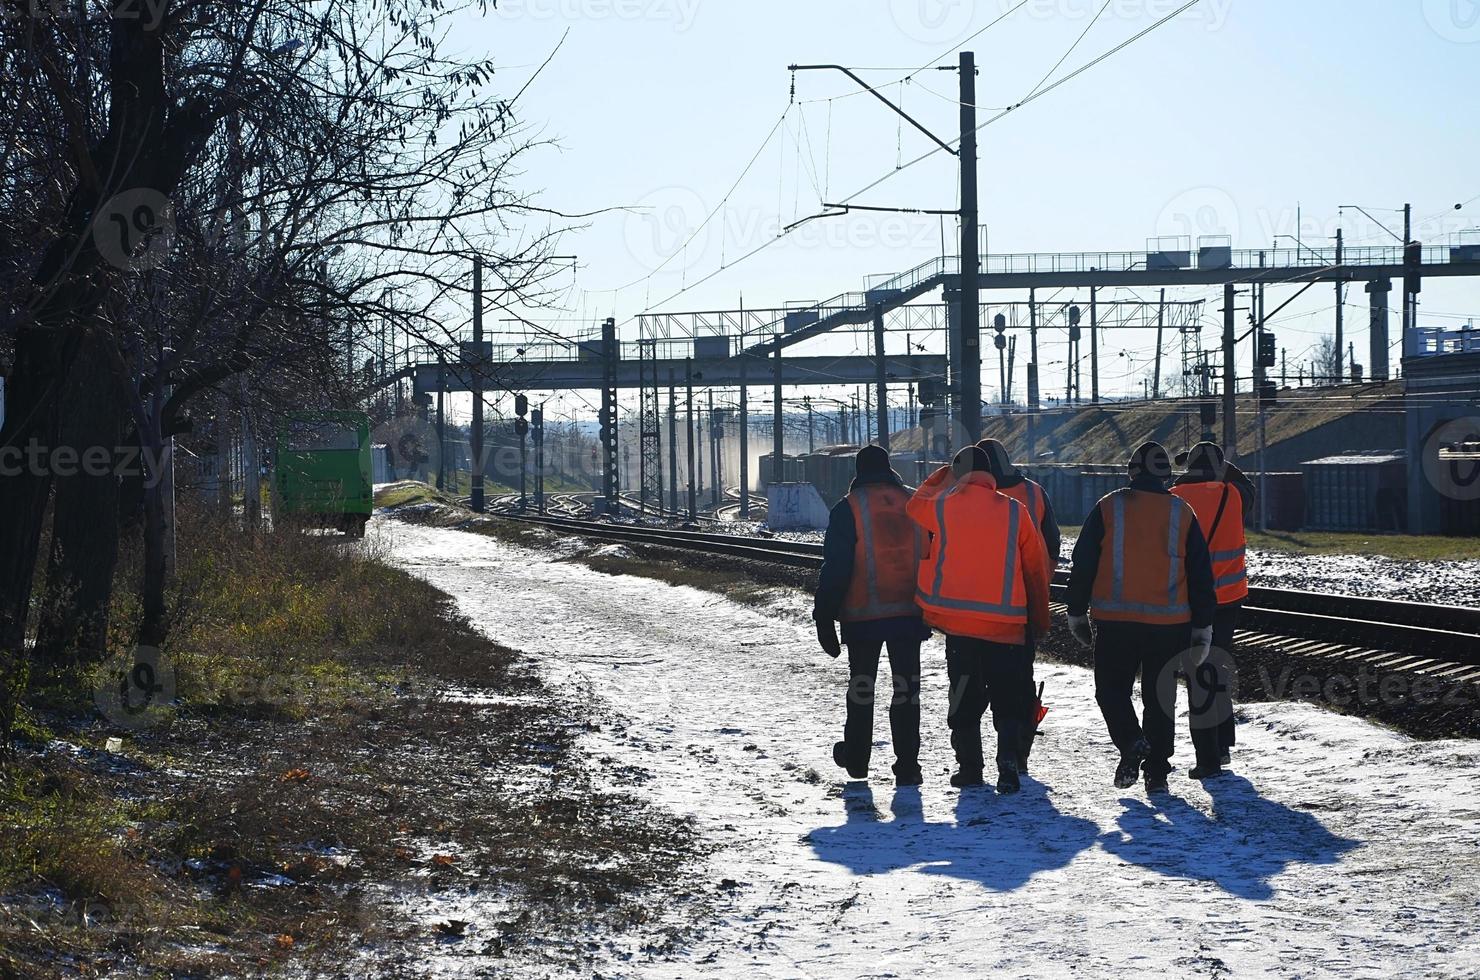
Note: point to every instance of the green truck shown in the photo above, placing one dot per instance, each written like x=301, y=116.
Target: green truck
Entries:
x=323, y=469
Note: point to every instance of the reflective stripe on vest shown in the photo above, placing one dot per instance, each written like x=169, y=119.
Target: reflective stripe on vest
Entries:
x=1009, y=569
x=1174, y=604
x=1225, y=542
x=875, y=604
x=1032, y=498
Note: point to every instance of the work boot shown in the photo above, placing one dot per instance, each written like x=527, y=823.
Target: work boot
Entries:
x=840, y=756
x=1205, y=770
x=1130, y=764
x=1156, y=784
x=1225, y=759
x=1007, y=777
x=967, y=777
x=907, y=775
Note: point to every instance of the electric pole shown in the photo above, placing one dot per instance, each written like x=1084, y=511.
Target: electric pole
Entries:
x=970, y=319
x=1340, y=302
x=476, y=440
x=688, y=372
x=881, y=378
x=1094, y=345
x=1230, y=376
x=1161, y=322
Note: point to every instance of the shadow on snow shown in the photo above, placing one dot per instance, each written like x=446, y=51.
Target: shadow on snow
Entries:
x=1003, y=842
x=999, y=842
x=1245, y=843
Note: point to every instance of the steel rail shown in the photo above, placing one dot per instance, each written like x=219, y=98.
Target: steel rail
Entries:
x=1439, y=632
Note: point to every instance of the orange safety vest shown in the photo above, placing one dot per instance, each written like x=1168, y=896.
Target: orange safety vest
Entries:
x=973, y=584
x=885, y=555
x=1142, y=577
x=1031, y=496
x=1226, y=544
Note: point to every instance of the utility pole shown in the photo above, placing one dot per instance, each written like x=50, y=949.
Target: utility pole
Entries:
x=537, y=419
x=881, y=377
x=476, y=436
x=970, y=318
x=610, y=484
x=1230, y=376
x=441, y=423
x=672, y=445
x=778, y=450
x=1407, y=281
x=714, y=483
x=1259, y=401
x=1161, y=322
x=1094, y=345
x=744, y=442
x=1340, y=301
x=688, y=372
x=811, y=439
x=1032, y=375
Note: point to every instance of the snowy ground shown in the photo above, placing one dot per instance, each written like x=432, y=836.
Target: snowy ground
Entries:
x=1339, y=849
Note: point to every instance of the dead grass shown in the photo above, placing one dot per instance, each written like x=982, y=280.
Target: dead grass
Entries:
x=338, y=731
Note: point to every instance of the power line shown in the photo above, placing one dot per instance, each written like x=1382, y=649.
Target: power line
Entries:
x=929, y=153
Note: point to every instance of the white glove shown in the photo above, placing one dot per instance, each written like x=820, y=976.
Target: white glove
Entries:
x=1202, y=645
x=1079, y=626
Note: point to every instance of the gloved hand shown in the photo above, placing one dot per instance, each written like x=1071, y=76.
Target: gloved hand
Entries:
x=1079, y=626
x=827, y=638
x=1202, y=645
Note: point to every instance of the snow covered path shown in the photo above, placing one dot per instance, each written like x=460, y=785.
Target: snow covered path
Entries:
x=1340, y=849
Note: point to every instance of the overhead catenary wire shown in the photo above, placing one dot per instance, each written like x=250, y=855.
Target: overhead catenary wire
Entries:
x=934, y=150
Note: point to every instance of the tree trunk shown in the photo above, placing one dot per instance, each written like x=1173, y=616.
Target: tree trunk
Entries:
x=154, y=618
x=73, y=624
x=26, y=441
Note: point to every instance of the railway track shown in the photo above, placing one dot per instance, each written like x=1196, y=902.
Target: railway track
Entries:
x=1383, y=634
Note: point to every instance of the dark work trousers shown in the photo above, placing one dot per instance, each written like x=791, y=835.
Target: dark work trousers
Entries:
x=1211, y=692
x=903, y=692
x=1122, y=651
x=981, y=673
x=1030, y=700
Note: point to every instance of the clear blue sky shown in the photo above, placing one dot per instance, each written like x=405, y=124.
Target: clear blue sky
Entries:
x=1225, y=120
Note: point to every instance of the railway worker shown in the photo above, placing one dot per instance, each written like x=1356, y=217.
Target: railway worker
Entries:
x=1141, y=568
x=1030, y=494
x=1223, y=499
x=867, y=582
x=984, y=584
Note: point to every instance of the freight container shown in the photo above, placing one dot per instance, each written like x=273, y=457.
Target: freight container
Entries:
x=1357, y=492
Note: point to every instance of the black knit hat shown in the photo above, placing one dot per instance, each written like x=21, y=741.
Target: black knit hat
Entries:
x=998, y=461
x=871, y=461
x=1206, y=457
x=1150, y=459
x=969, y=460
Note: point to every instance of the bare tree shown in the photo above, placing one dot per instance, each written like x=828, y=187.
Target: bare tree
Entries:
x=231, y=189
